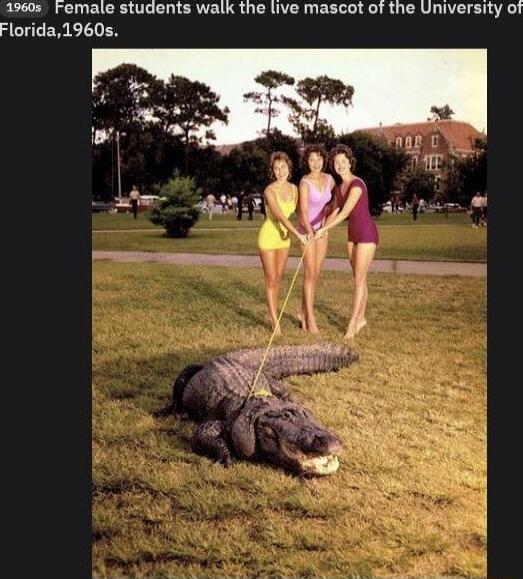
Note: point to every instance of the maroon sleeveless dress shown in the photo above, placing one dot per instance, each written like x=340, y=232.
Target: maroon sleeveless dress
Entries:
x=361, y=226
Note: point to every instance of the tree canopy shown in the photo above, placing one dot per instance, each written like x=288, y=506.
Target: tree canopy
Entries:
x=305, y=111
x=266, y=101
x=441, y=113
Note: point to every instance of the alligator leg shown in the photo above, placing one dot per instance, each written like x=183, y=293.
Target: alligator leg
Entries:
x=210, y=440
x=280, y=390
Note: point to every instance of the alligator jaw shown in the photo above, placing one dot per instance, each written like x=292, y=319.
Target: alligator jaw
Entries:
x=318, y=465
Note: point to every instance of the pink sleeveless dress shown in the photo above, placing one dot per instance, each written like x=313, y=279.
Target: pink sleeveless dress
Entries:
x=318, y=199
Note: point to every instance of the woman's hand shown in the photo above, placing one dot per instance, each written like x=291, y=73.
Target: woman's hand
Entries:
x=304, y=239
x=320, y=234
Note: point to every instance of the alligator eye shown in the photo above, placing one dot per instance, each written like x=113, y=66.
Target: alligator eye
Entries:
x=287, y=415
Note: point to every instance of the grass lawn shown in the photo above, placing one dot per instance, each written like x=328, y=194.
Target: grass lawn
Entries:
x=120, y=221
x=435, y=242
x=409, y=499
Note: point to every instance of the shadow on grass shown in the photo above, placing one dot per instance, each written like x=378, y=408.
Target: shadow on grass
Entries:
x=221, y=298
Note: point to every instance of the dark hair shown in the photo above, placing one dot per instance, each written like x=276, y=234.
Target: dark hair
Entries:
x=313, y=149
x=279, y=156
x=343, y=150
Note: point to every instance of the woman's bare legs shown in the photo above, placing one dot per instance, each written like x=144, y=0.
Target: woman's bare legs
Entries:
x=362, y=322
x=312, y=264
x=360, y=255
x=274, y=262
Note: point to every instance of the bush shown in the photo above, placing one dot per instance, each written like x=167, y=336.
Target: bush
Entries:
x=176, y=210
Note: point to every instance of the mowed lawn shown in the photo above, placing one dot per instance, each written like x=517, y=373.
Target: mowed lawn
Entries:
x=401, y=242
x=409, y=499
x=120, y=221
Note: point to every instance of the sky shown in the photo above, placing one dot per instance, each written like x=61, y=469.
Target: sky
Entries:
x=390, y=85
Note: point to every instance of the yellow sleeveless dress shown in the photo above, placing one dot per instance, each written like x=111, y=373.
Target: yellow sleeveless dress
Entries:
x=272, y=234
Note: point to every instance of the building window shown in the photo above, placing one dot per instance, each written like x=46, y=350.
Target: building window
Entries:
x=399, y=142
x=408, y=142
x=433, y=162
x=414, y=162
x=435, y=140
x=417, y=141
x=437, y=183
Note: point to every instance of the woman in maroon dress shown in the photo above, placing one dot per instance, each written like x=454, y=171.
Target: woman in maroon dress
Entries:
x=351, y=202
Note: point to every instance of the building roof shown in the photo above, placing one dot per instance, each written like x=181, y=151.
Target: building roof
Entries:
x=459, y=134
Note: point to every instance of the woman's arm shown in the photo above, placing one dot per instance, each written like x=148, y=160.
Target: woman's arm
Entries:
x=336, y=218
x=270, y=199
x=303, y=205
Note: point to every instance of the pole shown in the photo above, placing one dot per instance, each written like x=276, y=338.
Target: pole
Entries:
x=118, y=165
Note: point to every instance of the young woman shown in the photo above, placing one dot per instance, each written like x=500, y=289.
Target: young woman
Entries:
x=273, y=238
x=315, y=191
x=352, y=202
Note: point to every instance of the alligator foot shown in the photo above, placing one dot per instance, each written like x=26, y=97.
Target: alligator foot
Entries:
x=210, y=441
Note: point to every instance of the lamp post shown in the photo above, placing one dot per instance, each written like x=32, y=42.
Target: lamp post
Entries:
x=118, y=165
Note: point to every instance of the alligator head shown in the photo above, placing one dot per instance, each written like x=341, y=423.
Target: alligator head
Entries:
x=286, y=434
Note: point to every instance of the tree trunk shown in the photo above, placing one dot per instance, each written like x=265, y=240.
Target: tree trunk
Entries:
x=186, y=152
x=316, y=118
x=269, y=113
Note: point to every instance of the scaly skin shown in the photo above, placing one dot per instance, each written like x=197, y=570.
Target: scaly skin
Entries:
x=217, y=395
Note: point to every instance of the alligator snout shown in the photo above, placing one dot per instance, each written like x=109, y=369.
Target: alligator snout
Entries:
x=327, y=443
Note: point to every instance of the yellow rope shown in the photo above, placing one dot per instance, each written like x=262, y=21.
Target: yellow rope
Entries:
x=262, y=392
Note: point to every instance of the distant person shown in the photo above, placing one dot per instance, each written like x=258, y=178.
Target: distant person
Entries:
x=415, y=206
x=484, y=211
x=241, y=199
x=250, y=205
x=476, y=205
x=134, y=196
x=262, y=206
x=223, y=201
x=210, y=201
x=234, y=203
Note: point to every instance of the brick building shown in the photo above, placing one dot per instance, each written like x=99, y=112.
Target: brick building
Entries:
x=431, y=144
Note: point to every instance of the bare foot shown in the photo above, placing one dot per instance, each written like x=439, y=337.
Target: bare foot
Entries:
x=276, y=328
x=350, y=333
x=361, y=324
x=303, y=323
x=313, y=328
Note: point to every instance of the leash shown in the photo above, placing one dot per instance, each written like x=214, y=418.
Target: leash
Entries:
x=263, y=392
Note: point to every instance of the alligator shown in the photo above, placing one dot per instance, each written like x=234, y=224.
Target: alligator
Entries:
x=264, y=423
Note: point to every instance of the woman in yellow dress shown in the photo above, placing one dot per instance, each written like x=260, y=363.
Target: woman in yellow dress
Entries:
x=281, y=197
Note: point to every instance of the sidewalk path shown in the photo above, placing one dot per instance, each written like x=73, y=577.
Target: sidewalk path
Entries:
x=336, y=264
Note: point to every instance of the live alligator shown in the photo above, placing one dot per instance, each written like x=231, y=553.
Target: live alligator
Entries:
x=267, y=424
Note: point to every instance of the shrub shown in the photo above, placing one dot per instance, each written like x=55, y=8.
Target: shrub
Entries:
x=176, y=210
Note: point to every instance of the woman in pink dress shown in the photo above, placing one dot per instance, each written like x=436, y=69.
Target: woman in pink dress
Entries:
x=314, y=194
x=351, y=202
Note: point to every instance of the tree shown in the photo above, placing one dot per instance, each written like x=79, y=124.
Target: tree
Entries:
x=379, y=163
x=122, y=97
x=177, y=211
x=188, y=106
x=468, y=175
x=441, y=113
x=419, y=182
x=305, y=113
x=271, y=80
x=246, y=166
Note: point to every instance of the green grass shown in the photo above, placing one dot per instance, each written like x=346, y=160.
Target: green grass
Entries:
x=436, y=242
x=121, y=221
x=410, y=496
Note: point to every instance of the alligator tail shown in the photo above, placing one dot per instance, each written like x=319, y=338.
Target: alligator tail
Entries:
x=308, y=359
x=180, y=383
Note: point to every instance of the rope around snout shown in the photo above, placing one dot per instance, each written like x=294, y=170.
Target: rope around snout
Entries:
x=263, y=392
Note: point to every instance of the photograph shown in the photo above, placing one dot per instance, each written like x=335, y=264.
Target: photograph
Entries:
x=289, y=312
